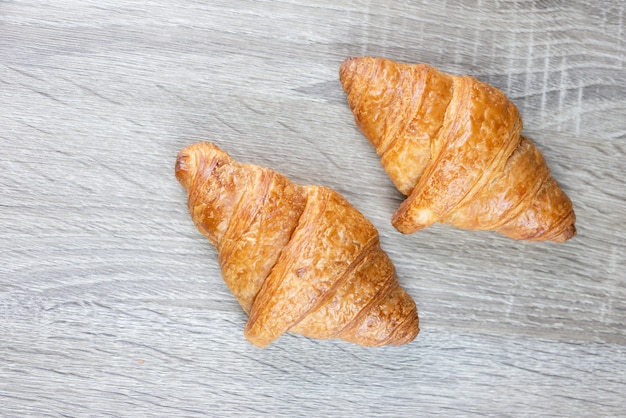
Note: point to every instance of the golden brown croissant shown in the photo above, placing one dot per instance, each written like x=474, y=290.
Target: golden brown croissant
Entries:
x=297, y=258
x=452, y=144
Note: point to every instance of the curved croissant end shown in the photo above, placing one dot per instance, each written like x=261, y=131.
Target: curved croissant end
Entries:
x=297, y=258
x=452, y=144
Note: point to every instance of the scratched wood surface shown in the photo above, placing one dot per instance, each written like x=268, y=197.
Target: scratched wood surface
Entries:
x=111, y=303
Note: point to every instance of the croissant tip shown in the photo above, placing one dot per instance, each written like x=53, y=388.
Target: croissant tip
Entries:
x=183, y=167
x=344, y=69
x=188, y=160
x=566, y=235
x=348, y=69
x=407, y=332
x=257, y=344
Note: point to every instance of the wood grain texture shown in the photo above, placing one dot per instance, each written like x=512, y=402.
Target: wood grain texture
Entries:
x=111, y=303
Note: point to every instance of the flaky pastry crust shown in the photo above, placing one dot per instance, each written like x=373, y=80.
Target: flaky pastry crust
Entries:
x=453, y=145
x=297, y=258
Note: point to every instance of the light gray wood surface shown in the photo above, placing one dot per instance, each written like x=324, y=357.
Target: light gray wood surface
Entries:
x=111, y=303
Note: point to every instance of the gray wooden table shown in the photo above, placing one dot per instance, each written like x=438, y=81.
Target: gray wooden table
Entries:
x=111, y=303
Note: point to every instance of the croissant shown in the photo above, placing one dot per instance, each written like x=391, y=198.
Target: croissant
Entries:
x=452, y=144
x=297, y=258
